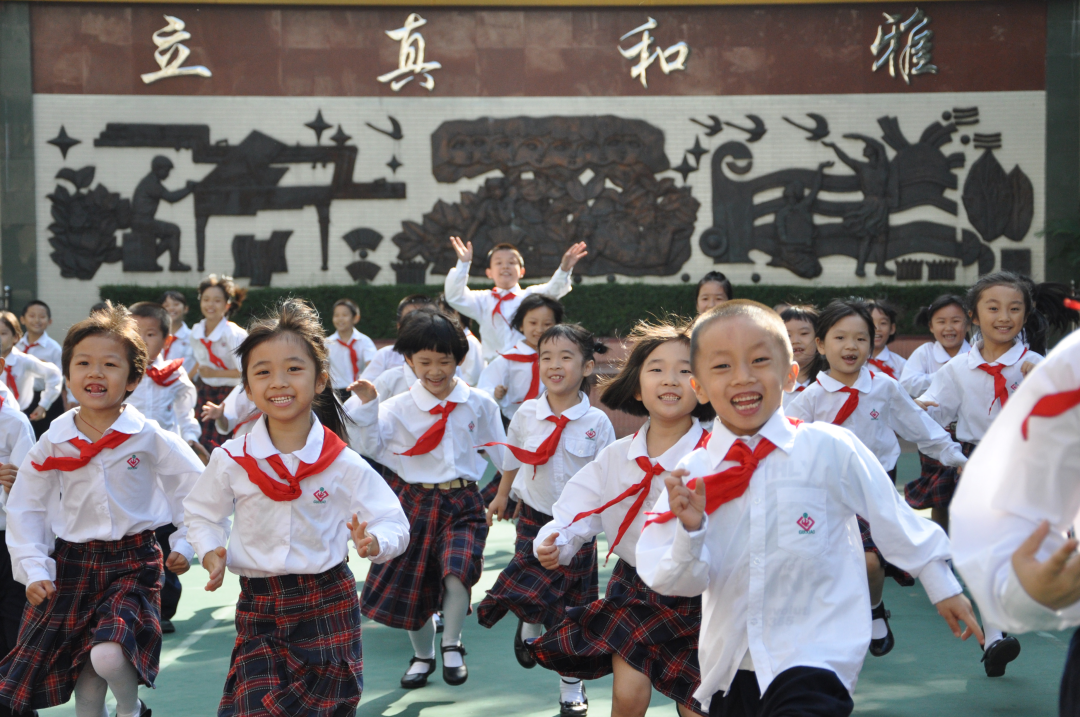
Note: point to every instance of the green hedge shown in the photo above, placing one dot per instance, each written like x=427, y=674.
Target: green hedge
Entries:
x=606, y=309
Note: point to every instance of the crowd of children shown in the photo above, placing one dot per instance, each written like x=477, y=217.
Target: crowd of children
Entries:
x=770, y=440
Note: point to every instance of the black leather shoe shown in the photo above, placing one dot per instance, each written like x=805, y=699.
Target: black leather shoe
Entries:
x=1001, y=653
x=884, y=646
x=524, y=657
x=455, y=675
x=575, y=709
x=144, y=711
x=418, y=679
x=167, y=628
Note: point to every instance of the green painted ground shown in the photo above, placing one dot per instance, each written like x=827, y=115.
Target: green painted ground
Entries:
x=928, y=673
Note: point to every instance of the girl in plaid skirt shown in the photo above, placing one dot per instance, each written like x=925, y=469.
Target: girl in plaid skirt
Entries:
x=295, y=494
x=646, y=639
x=213, y=343
x=552, y=437
x=103, y=478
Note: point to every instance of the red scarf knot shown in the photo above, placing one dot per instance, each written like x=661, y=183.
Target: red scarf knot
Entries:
x=87, y=451
x=499, y=299
x=534, y=385
x=167, y=375
x=11, y=382
x=352, y=357
x=1052, y=405
x=849, y=406
x=546, y=449
x=290, y=490
x=213, y=359
x=433, y=435
x=1001, y=389
x=883, y=367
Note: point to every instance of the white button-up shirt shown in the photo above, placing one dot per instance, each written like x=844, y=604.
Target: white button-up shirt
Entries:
x=894, y=361
x=394, y=381
x=884, y=411
x=16, y=439
x=515, y=375
x=925, y=361
x=239, y=413
x=790, y=396
x=181, y=348
x=172, y=406
x=341, y=368
x=388, y=428
x=224, y=339
x=791, y=595
x=139, y=485
x=496, y=334
x=1020, y=484
x=588, y=431
x=613, y=472
x=25, y=370
x=474, y=364
x=304, y=536
x=964, y=392
x=46, y=349
x=385, y=359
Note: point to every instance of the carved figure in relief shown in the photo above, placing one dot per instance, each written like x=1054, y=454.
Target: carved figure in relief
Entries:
x=869, y=220
x=144, y=205
x=795, y=227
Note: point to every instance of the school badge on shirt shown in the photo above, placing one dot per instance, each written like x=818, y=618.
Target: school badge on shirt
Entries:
x=806, y=524
x=321, y=495
x=590, y=434
x=133, y=462
x=874, y=415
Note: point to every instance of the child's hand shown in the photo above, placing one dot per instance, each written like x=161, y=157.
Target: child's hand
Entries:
x=39, y=413
x=957, y=609
x=496, y=509
x=364, y=390
x=1026, y=368
x=500, y=393
x=213, y=411
x=200, y=452
x=8, y=473
x=214, y=562
x=548, y=553
x=687, y=505
x=39, y=592
x=367, y=545
x=177, y=563
x=464, y=251
x=924, y=404
x=573, y=255
x=1054, y=583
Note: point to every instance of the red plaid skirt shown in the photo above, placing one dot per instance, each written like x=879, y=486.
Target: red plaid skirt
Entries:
x=531, y=591
x=657, y=635
x=891, y=571
x=297, y=648
x=106, y=591
x=935, y=487
x=447, y=533
x=210, y=438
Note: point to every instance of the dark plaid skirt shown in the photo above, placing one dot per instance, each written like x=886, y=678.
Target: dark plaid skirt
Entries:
x=657, y=635
x=297, y=647
x=447, y=533
x=211, y=438
x=891, y=571
x=531, y=591
x=106, y=591
x=935, y=487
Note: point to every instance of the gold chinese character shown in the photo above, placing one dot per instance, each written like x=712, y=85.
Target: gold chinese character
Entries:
x=170, y=54
x=410, y=56
x=916, y=57
x=641, y=51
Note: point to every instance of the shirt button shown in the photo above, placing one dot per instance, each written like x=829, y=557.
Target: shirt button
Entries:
x=757, y=560
x=757, y=501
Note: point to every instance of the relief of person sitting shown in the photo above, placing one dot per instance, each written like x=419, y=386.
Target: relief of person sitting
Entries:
x=144, y=205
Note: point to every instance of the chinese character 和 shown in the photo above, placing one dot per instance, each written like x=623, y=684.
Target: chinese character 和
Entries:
x=641, y=52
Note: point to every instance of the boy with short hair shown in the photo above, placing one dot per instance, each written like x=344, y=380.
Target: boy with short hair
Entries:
x=766, y=533
x=36, y=318
x=494, y=309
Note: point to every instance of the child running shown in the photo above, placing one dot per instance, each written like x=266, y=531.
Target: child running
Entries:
x=801, y=323
x=644, y=638
x=295, y=494
x=213, y=342
x=883, y=360
x=551, y=439
x=387, y=358
x=37, y=318
x=178, y=342
x=22, y=370
x=713, y=290
x=765, y=532
x=350, y=350
x=103, y=477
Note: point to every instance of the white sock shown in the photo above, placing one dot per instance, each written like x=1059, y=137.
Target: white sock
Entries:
x=878, y=628
x=112, y=665
x=90, y=694
x=571, y=689
x=531, y=630
x=455, y=605
x=992, y=633
x=423, y=643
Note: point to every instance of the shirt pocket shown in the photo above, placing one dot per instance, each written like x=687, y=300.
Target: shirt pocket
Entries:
x=580, y=448
x=802, y=525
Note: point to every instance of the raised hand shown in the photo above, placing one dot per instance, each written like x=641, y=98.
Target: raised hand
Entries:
x=825, y=165
x=548, y=553
x=38, y=413
x=8, y=473
x=39, y=592
x=687, y=505
x=214, y=562
x=924, y=404
x=367, y=545
x=464, y=251
x=177, y=563
x=572, y=256
x=1026, y=368
x=499, y=393
x=213, y=411
x=957, y=609
x=1054, y=583
x=364, y=390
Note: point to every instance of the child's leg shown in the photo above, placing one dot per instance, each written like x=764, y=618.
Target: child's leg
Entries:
x=110, y=663
x=941, y=517
x=423, y=643
x=631, y=690
x=455, y=607
x=875, y=575
x=90, y=693
x=531, y=630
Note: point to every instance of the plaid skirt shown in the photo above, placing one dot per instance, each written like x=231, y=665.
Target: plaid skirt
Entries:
x=891, y=571
x=657, y=635
x=210, y=438
x=531, y=591
x=447, y=533
x=297, y=648
x=934, y=488
x=106, y=591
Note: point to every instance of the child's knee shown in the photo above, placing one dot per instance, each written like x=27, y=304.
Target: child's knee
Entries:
x=873, y=564
x=108, y=659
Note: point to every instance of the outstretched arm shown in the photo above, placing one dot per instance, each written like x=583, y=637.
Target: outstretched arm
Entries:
x=843, y=156
x=819, y=177
x=175, y=196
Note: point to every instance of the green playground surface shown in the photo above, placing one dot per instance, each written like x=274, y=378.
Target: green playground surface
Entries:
x=928, y=673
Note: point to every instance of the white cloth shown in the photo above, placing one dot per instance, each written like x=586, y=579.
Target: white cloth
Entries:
x=16, y=439
x=515, y=375
x=394, y=381
x=341, y=368
x=894, y=361
x=181, y=348
x=884, y=411
x=239, y=414
x=964, y=393
x=172, y=406
x=139, y=485
x=792, y=595
x=588, y=431
x=45, y=348
x=473, y=365
x=388, y=428
x=385, y=359
x=1020, y=483
x=304, y=536
x=224, y=339
x=924, y=362
x=613, y=472
x=26, y=369
x=790, y=396
x=496, y=333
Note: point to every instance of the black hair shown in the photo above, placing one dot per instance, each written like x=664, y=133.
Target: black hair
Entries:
x=116, y=323
x=412, y=300
x=583, y=339
x=801, y=312
x=837, y=310
x=175, y=296
x=890, y=311
x=925, y=314
x=717, y=277
x=348, y=304
x=431, y=330
x=150, y=310
x=505, y=247
x=100, y=306
x=537, y=301
x=1050, y=313
x=234, y=295
x=37, y=302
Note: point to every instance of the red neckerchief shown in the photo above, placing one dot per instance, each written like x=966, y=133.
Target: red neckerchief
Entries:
x=275, y=490
x=30, y=346
x=213, y=359
x=1001, y=387
x=499, y=299
x=167, y=375
x=1072, y=304
x=800, y=389
x=1051, y=405
x=87, y=451
x=433, y=435
x=534, y=359
x=546, y=450
x=883, y=367
x=12, y=384
x=850, y=404
x=352, y=356
x=169, y=341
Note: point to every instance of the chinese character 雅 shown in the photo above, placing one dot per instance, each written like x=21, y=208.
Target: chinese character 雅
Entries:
x=170, y=54
x=410, y=56
x=641, y=51
x=915, y=59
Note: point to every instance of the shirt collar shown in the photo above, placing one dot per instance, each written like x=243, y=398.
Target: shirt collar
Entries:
x=355, y=337
x=64, y=429
x=159, y=362
x=409, y=374
x=942, y=356
x=975, y=358
x=199, y=331
x=669, y=459
x=13, y=357
x=523, y=349
x=183, y=331
x=516, y=291
x=862, y=383
x=259, y=444
x=425, y=401
x=885, y=355
x=579, y=409
x=778, y=430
